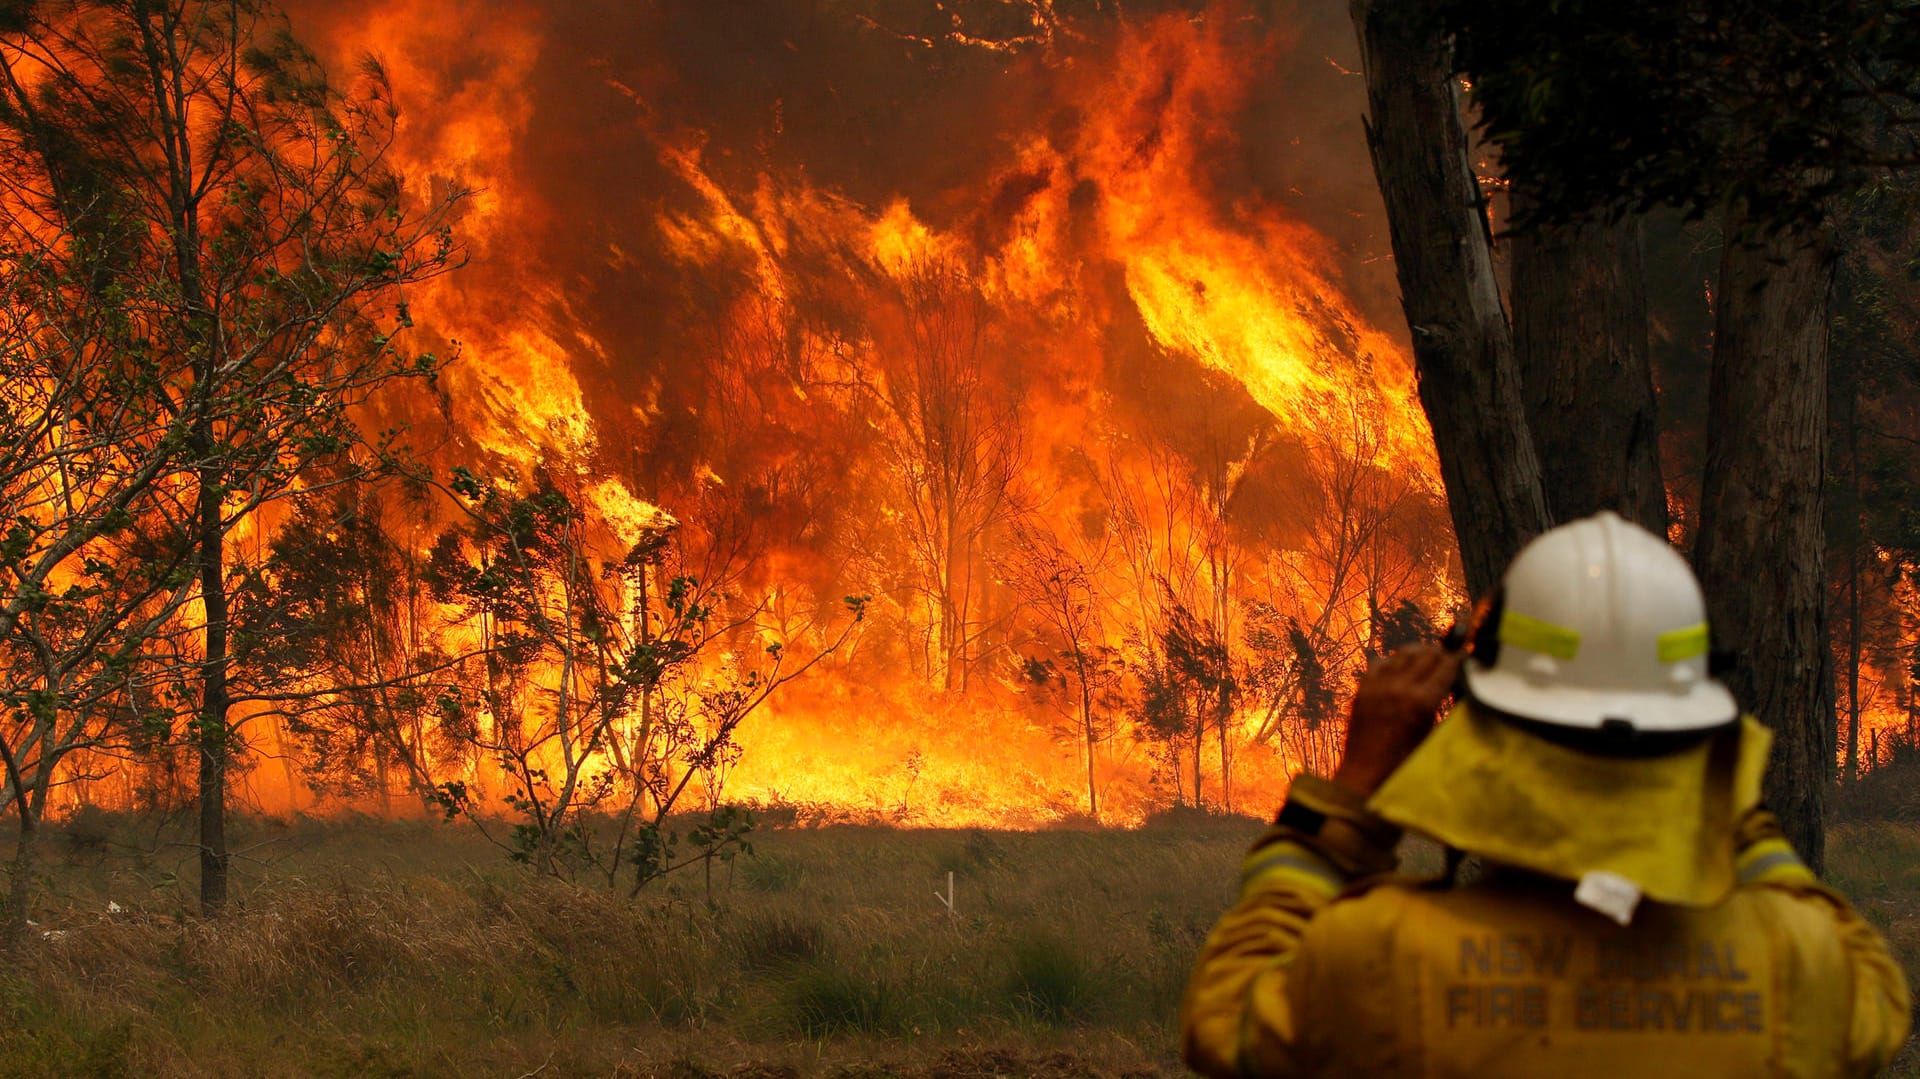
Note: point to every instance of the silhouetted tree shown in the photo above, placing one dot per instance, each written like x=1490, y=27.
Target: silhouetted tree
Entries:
x=1698, y=105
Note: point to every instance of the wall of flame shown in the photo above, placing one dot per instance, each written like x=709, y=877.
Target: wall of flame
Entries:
x=706, y=240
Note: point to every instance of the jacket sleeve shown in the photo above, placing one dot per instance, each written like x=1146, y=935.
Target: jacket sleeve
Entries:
x=1880, y=1012
x=1239, y=1016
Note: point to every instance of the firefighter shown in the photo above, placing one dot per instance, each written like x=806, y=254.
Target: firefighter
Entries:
x=1638, y=914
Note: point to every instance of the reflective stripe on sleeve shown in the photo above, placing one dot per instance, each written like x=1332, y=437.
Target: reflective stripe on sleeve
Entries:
x=1771, y=860
x=1290, y=863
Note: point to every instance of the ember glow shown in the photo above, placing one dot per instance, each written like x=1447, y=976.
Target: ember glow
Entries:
x=985, y=310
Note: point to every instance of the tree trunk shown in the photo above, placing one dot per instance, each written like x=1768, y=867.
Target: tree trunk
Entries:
x=1462, y=348
x=1845, y=517
x=1761, y=552
x=213, y=734
x=25, y=865
x=1199, y=745
x=1580, y=337
x=1087, y=728
x=1223, y=718
x=1093, y=790
x=1853, y=665
x=1223, y=622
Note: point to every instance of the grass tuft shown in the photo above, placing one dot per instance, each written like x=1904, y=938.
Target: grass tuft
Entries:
x=1049, y=981
x=824, y=1001
x=772, y=941
x=767, y=873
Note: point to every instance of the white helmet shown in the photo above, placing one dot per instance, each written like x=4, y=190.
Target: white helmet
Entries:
x=1600, y=625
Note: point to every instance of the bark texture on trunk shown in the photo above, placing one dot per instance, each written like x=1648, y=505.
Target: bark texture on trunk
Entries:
x=1847, y=536
x=1580, y=336
x=1761, y=551
x=1462, y=347
x=25, y=867
x=213, y=739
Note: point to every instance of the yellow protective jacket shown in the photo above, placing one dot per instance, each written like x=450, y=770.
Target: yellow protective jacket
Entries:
x=1311, y=975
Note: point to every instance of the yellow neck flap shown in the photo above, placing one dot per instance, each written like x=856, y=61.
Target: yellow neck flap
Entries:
x=1664, y=823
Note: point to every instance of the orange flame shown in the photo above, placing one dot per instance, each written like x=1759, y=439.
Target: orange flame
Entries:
x=1178, y=387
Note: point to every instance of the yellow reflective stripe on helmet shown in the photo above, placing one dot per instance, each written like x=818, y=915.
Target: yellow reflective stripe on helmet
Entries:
x=1534, y=635
x=1679, y=644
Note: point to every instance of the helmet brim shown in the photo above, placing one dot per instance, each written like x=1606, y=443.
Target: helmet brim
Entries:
x=1701, y=706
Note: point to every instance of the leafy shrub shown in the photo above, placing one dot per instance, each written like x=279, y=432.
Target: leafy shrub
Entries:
x=88, y=830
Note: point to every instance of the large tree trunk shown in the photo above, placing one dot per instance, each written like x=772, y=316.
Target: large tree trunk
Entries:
x=1462, y=348
x=1580, y=336
x=1761, y=552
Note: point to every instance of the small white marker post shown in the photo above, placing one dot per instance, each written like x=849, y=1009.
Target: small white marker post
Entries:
x=948, y=898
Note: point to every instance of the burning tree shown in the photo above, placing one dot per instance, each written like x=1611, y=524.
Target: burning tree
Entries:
x=1180, y=524
x=1295, y=688
x=1872, y=529
x=342, y=642
x=1371, y=549
x=1058, y=587
x=1187, y=687
x=600, y=691
x=953, y=440
x=1348, y=589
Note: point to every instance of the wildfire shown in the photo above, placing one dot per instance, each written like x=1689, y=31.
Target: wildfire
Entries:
x=1069, y=328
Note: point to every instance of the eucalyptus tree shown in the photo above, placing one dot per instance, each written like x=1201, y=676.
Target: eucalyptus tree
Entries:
x=238, y=222
x=95, y=563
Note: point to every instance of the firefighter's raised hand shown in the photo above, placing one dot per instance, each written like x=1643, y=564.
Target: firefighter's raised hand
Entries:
x=1396, y=704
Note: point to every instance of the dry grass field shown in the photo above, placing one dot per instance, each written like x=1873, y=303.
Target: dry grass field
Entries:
x=391, y=949
x=365, y=948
